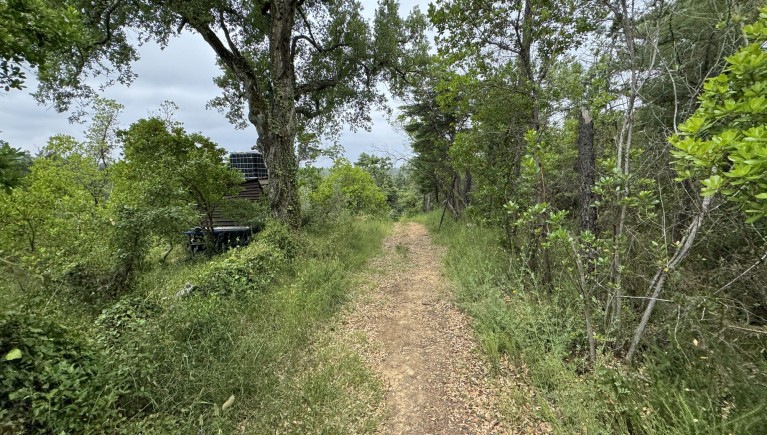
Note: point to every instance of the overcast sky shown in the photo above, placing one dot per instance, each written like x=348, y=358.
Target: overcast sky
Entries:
x=181, y=73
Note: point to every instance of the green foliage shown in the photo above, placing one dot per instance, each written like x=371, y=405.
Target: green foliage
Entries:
x=32, y=31
x=152, y=362
x=124, y=318
x=175, y=179
x=52, y=380
x=409, y=200
x=349, y=189
x=101, y=136
x=56, y=220
x=283, y=238
x=254, y=214
x=381, y=170
x=14, y=165
x=688, y=387
x=513, y=320
x=241, y=270
x=722, y=142
x=434, y=128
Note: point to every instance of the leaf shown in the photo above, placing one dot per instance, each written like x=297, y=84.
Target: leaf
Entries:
x=228, y=404
x=15, y=353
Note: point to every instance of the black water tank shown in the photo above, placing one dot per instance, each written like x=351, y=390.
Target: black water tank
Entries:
x=250, y=163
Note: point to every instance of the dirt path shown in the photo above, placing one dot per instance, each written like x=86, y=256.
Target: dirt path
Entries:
x=419, y=344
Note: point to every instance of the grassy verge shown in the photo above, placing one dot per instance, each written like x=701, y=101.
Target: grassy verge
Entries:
x=543, y=334
x=158, y=363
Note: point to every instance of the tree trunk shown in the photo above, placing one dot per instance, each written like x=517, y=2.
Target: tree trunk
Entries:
x=586, y=295
x=656, y=285
x=467, y=186
x=277, y=142
x=588, y=172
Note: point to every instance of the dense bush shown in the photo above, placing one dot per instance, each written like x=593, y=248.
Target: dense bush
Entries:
x=250, y=268
x=281, y=237
x=161, y=364
x=349, y=189
x=52, y=380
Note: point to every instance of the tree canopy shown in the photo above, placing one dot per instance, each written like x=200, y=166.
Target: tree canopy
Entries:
x=289, y=66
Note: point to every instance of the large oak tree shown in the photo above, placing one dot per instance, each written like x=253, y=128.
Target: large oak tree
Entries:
x=289, y=66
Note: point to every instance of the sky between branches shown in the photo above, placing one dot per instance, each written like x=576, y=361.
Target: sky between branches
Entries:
x=182, y=73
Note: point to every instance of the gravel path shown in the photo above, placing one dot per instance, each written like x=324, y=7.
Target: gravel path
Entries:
x=422, y=348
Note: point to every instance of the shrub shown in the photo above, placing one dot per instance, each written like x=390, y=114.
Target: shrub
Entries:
x=124, y=317
x=51, y=380
x=246, y=269
x=280, y=236
x=350, y=189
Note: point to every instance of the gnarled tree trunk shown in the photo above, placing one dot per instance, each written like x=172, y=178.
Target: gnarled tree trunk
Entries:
x=277, y=134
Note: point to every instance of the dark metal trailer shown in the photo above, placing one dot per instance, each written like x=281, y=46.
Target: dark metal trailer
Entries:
x=223, y=238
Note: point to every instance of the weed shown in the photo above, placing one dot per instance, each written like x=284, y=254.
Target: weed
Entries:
x=668, y=395
x=402, y=250
x=172, y=362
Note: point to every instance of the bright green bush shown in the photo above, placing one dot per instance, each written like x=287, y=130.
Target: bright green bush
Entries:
x=722, y=142
x=281, y=237
x=349, y=189
x=240, y=270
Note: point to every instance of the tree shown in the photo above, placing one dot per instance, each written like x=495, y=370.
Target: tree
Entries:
x=55, y=221
x=380, y=168
x=352, y=189
x=32, y=31
x=101, y=137
x=721, y=144
x=170, y=177
x=289, y=65
x=433, y=124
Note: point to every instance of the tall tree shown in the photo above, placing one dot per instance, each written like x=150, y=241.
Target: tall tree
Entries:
x=380, y=168
x=289, y=65
x=169, y=175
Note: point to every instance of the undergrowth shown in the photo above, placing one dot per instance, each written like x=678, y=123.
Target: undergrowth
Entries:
x=670, y=393
x=159, y=362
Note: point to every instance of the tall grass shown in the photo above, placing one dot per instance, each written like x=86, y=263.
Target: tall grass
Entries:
x=544, y=333
x=175, y=361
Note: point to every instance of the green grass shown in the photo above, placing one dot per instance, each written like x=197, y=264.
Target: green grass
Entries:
x=512, y=320
x=176, y=361
x=667, y=395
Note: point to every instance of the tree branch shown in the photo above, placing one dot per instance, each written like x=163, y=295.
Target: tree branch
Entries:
x=234, y=61
x=107, y=23
x=316, y=85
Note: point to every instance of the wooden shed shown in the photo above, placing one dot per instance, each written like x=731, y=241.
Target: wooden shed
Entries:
x=253, y=168
x=252, y=190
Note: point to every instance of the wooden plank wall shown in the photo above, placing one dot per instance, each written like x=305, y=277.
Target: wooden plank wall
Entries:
x=252, y=190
